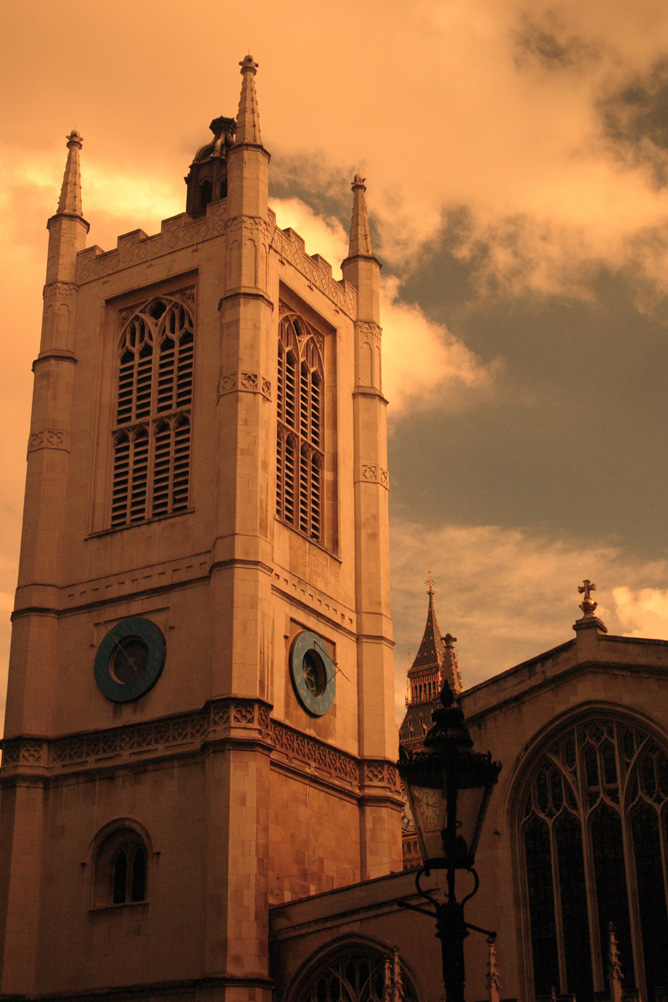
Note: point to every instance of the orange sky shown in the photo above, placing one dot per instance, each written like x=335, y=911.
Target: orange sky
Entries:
x=516, y=159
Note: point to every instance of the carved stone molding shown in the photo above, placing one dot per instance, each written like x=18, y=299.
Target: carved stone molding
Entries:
x=368, y=330
x=234, y=718
x=380, y=773
x=321, y=757
x=248, y=225
x=50, y=438
x=62, y=291
x=315, y=269
x=24, y=751
x=246, y=382
x=371, y=473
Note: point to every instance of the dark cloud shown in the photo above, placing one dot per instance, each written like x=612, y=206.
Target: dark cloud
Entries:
x=573, y=437
x=544, y=41
x=635, y=122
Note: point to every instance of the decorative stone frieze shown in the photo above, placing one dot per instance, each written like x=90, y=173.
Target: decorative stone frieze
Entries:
x=245, y=382
x=301, y=748
x=222, y=719
x=372, y=473
x=49, y=438
x=24, y=751
x=380, y=773
x=369, y=331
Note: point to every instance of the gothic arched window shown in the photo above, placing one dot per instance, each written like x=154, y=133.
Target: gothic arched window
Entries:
x=299, y=450
x=356, y=972
x=120, y=875
x=151, y=471
x=594, y=841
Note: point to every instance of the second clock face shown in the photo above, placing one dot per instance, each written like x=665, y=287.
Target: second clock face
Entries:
x=129, y=660
x=312, y=671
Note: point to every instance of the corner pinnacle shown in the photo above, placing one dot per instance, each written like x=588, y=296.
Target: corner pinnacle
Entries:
x=360, y=235
x=248, y=119
x=69, y=202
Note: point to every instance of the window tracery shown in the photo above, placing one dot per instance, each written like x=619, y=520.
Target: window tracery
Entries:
x=151, y=468
x=357, y=972
x=300, y=447
x=594, y=841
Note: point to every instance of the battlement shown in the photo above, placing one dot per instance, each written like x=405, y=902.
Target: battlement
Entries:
x=291, y=248
x=134, y=247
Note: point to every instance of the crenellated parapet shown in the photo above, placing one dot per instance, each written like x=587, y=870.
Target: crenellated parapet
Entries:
x=135, y=247
x=290, y=247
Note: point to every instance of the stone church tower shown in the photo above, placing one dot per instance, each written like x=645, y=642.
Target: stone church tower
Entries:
x=199, y=716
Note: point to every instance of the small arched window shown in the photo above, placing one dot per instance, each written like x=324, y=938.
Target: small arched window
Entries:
x=151, y=470
x=300, y=447
x=593, y=836
x=120, y=869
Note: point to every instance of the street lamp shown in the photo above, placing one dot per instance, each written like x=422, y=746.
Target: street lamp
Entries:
x=448, y=787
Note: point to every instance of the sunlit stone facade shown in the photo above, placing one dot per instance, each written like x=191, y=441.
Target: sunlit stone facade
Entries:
x=174, y=761
x=198, y=790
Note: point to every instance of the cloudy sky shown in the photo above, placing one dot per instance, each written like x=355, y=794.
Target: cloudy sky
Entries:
x=516, y=156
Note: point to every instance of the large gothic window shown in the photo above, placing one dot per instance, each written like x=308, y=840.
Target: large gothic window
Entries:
x=299, y=449
x=357, y=972
x=151, y=470
x=594, y=837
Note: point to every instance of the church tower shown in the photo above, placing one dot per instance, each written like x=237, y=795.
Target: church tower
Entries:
x=199, y=716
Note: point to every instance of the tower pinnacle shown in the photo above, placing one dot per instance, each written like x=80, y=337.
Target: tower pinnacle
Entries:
x=69, y=202
x=248, y=119
x=360, y=236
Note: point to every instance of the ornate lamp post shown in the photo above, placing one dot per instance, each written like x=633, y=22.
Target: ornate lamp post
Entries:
x=448, y=787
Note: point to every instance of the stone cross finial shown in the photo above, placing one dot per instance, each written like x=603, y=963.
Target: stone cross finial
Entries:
x=430, y=583
x=588, y=605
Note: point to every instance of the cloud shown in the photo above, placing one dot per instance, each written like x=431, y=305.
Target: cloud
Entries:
x=424, y=364
x=643, y=612
x=510, y=594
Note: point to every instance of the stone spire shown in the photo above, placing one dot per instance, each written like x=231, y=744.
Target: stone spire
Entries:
x=430, y=651
x=360, y=236
x=248, y=119
x=70, y=194
x=435, y=660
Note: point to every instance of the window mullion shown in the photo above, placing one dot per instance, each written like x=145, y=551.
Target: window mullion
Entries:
x=558, y=919
x=590, y=884
x=631, y=882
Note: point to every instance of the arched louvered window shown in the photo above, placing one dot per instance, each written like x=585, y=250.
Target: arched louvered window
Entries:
x=151, y=472
x=594, y=840
x=299, y=450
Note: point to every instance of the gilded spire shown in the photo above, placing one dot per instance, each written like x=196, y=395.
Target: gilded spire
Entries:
x=248, y=119
x=360, y=236
x=70, y=193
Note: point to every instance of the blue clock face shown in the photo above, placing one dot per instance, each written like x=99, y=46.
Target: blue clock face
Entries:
x=313, y=673
x=129, y=660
